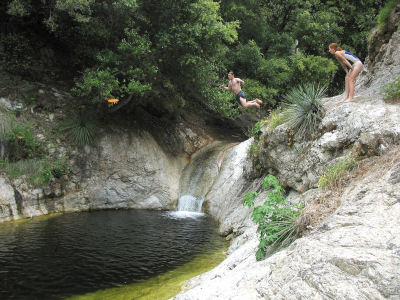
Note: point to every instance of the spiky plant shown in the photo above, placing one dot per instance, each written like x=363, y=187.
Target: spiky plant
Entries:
x=81, y=128
x=304, y=109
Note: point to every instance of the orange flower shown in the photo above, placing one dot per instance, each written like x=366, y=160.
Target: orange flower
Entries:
x=113, y=100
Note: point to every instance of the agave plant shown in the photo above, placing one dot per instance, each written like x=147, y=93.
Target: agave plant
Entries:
x=304, y=108
x=82, y=128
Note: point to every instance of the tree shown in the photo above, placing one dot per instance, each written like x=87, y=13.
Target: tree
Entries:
x=154, y=53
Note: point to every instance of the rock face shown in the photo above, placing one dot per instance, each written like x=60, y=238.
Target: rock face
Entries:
x=368, y=126
x=382, y=65
x=128, y=169
x=354, y=254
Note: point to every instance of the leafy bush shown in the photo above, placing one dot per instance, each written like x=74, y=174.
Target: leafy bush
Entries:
x=82, y=128
x=277, y=221
x=247, y=58
x=22, y=143
x=255, y=89
x=335, y=174
x=304, y=108
x=16, y=54
x=305, y=69
x=392, y=90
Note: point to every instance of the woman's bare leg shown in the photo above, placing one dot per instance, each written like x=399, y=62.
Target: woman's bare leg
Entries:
x=346, y=89
x=350, y=80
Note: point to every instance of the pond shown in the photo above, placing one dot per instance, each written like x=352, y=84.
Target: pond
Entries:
x=71, y=254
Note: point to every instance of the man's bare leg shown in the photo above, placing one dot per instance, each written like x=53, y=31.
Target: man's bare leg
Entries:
x=249, y=103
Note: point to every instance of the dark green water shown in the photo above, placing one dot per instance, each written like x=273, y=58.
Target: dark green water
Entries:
x=77, y=253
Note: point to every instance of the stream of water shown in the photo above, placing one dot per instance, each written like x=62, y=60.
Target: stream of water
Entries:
x=71, y=254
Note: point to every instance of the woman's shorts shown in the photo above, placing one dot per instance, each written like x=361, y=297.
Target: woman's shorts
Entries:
x=357, y=62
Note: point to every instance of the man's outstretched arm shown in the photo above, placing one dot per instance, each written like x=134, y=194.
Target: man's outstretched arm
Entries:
x=228, y=88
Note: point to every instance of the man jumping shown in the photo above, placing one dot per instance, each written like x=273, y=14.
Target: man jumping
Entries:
x=234, y=85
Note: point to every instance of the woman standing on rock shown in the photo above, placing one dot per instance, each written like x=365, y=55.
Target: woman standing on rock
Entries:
x=351, y=61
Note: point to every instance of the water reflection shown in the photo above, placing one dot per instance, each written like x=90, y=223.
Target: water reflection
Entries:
x=82, y=252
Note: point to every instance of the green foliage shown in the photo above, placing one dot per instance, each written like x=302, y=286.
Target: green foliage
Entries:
x=38, y=172
x=254, y=150
x=392, y=90
x=334, y=175
x=59, y=167
x=16, y=54
x=255, y=129
x=282, y=73
x=304, y=108
x=247, y=58
x=255, y=89
x=31, y=94
x=277, y=221
x=81, y=127
x=169, y=55
x=7, y=121
x=306, y=69
x=314, y=29
x=275, y=72
x=275, y=118
x=22, y=143
x=384, y=12
x=18, y=8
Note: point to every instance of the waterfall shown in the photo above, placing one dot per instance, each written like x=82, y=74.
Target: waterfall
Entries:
x=190, y=203
x=199, y=176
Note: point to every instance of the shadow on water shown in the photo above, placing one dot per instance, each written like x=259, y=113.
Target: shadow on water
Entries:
x=119, y=252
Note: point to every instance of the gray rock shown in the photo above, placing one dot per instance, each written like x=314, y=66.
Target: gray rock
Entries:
x=11, y=105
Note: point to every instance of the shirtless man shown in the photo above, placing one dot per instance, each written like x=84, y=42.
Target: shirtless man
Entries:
x=234, y=85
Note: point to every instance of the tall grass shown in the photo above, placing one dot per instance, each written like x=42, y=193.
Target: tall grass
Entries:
x=334, y=176
x=384, y=13
x=39, y=172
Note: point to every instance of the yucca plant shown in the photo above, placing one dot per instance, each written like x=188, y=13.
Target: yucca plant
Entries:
x=82, y=128
x=304, y=108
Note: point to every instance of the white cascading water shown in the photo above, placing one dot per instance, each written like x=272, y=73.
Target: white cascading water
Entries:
x=197, y=179
x=190, y=203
